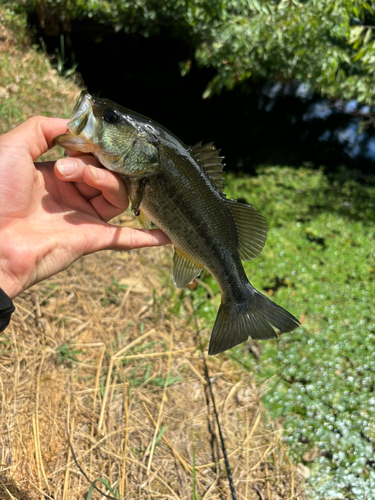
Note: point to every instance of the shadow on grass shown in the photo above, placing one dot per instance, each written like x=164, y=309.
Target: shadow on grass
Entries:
x=359, y=206
x=303, y=194
x=350, y=194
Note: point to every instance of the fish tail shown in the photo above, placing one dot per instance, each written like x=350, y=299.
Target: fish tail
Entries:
x=257, y=317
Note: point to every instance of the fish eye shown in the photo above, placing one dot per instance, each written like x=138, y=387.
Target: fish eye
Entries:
x=110, y=115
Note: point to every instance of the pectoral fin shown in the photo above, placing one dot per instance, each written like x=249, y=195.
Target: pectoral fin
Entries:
x=184, y=270
x=251, y=229
x=137, y=198
x=136, y=205
x=144, y=221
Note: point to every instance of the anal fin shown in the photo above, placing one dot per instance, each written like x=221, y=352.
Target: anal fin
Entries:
x=184, y=269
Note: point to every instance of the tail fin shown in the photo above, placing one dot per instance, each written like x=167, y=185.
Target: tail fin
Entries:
x=258, y=318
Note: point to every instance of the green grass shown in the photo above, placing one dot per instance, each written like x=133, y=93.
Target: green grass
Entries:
x=115, y=493
x=28, y=76
x=67, y=354
x=319, y=263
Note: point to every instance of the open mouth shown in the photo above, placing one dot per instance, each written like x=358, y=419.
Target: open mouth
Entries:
x=81, y=127
x=78, y=118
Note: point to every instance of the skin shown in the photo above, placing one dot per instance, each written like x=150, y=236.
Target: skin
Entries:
x=52, y=214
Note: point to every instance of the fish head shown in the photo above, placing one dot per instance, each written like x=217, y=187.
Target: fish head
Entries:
x=100, y=127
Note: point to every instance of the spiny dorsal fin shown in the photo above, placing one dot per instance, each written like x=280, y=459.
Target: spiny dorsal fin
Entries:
x=210, y=159
x=251, y=229
x=184, y=270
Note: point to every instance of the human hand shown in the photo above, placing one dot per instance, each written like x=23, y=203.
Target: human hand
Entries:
x=50, y=217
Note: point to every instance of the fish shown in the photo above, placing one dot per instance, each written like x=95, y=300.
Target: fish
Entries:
x=180, y=189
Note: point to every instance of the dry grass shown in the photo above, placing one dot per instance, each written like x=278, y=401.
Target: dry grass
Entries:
x=107, y=359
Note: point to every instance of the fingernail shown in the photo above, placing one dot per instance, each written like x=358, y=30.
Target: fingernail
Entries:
x=66, y=167
x=98, y=173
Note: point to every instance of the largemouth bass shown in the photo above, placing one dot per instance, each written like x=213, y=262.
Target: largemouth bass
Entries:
x=180, y=189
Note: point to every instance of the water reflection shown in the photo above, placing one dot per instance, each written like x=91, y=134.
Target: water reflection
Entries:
x=344, y=119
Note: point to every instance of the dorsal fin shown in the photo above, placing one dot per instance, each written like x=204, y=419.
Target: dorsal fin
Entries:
x=209, y=157
x=251, y=229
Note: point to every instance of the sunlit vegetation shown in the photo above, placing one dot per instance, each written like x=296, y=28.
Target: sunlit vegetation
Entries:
x=318, y=263
x=328, y=44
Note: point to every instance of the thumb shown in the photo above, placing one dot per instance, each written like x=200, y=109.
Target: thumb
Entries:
x=34, y=136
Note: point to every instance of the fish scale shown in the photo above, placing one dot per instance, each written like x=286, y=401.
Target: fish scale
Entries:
x=180, y=190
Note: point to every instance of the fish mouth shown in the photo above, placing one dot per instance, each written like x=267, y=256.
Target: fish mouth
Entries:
x=79, y=117
x=81, y=126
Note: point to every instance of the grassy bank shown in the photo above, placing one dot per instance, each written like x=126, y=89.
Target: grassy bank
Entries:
x=28, y=83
